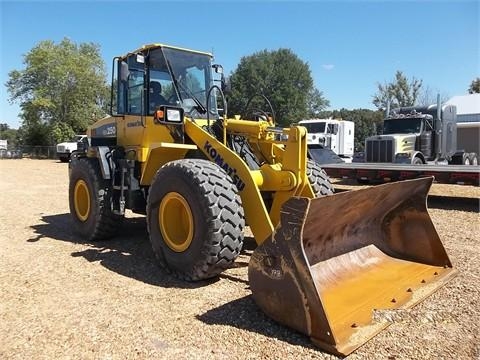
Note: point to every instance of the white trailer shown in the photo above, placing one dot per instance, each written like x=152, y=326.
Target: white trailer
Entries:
x=334, y=134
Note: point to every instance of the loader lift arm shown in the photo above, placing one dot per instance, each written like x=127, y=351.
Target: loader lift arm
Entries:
x=286, y=176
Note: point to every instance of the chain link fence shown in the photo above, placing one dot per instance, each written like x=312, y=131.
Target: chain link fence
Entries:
x=34, y=152
x=40, y=152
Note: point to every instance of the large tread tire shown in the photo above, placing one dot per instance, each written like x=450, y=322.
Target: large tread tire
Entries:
x=101, y=223
x=319, y=180
x=218, y=218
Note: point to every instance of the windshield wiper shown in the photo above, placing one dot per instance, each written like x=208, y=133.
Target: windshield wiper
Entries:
x=178, y=85
x=198, y=102
x=173, y=78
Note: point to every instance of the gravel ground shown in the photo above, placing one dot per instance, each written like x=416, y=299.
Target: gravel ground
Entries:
x=64, y=298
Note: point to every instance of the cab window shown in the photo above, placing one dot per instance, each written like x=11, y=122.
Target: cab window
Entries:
x=130, y=89
x=135, y=92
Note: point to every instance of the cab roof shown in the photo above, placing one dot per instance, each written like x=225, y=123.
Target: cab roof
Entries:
x=157, y=45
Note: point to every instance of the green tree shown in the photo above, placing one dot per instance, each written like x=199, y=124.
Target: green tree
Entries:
x=11, y=135
x=400, y=92
x=474, y=86
x=61, y=90
x=316, y=103
x=281, y=77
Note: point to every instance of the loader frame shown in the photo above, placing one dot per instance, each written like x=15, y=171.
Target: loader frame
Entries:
x=200, y=175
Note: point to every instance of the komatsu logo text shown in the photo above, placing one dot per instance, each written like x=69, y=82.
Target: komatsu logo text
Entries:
x=218, y=159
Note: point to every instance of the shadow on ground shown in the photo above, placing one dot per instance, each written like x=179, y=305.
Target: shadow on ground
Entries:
x=454, y=203
x=244, y=314
x=128, y=254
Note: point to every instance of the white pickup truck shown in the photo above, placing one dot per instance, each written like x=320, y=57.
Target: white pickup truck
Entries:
x=66, y=148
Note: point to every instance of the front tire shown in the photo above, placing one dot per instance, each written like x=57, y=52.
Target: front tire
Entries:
x=417, y=161
x=89, y=200
x=195, y=219
x=319, y=180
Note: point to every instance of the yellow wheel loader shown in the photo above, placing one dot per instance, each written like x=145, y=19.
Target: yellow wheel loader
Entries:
x=324, y=261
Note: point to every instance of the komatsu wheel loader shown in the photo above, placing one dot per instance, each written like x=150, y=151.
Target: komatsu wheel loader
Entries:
x=324, y=261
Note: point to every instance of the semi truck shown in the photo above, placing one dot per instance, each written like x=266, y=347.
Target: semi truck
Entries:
x=419, y=135
x=334, y=134
x=416, y=142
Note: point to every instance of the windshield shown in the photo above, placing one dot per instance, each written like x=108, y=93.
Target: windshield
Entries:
x=402, y=126
x=77, y=138
x=190, y=82
x=314, y=127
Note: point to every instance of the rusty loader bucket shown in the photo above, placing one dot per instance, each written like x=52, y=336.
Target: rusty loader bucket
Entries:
x=333, y=260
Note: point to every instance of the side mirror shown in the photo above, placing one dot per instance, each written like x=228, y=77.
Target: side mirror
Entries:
x=124, y=72
x=218, y=68
x=226, y=85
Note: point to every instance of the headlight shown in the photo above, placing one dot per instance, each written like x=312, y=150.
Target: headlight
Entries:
x=173, y=115
x=168, y=114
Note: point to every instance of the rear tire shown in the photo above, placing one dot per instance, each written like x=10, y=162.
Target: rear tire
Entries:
x=195, y=219
x=473, y=157
x=319, y=180
x=89, y=200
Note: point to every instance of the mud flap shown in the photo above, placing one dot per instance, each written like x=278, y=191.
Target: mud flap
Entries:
x=333, y=260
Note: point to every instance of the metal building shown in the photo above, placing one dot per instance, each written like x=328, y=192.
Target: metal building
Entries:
x=468, y=121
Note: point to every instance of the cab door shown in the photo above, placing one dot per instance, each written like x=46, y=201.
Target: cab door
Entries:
x=132, y=100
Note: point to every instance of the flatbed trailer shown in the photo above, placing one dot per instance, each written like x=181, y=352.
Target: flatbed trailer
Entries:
x=386, y=172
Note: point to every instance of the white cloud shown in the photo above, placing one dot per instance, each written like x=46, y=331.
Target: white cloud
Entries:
x=328, y=67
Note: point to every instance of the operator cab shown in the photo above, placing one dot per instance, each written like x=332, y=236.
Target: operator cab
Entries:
x=157, y=75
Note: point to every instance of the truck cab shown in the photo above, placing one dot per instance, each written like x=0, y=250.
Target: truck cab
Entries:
x=334, y=134
x=415, y=135
x=65, y=149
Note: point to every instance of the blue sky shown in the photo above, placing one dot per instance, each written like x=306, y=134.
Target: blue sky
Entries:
x=350, y=46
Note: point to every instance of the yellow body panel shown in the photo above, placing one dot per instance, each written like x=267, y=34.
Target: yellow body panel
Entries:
x=152, y=143
x=158, y=154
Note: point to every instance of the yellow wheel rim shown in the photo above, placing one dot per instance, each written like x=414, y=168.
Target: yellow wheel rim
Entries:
x=175, y=221
x=81, y=200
